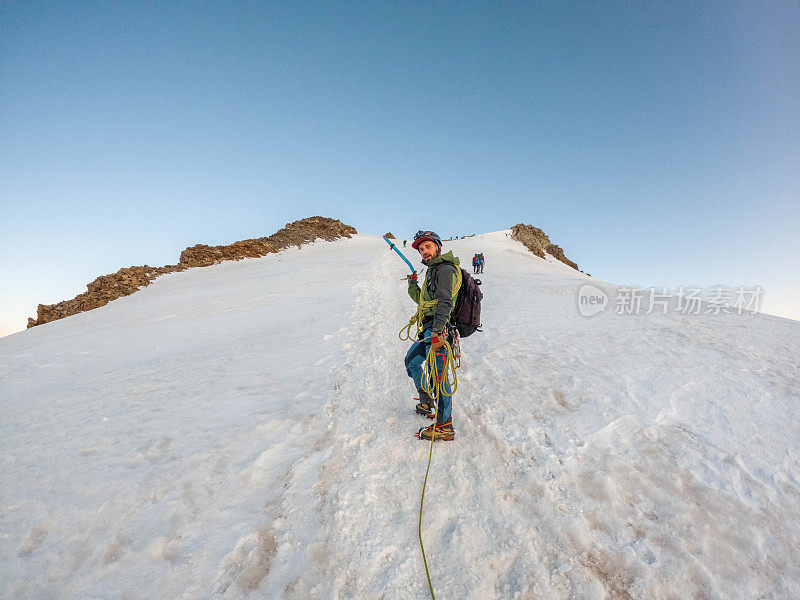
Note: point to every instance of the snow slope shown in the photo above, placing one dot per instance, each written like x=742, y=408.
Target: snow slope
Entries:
x=244, y=430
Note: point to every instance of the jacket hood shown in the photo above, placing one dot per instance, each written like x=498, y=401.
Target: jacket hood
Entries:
x=446, y=257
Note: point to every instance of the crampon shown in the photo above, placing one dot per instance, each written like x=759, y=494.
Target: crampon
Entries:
x=424, y=408
x=443, y=432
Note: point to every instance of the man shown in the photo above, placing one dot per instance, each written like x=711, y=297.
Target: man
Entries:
x=442, y=280
x=481, y=262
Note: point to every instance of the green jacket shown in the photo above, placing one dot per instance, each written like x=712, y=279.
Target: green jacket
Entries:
x=440, y=287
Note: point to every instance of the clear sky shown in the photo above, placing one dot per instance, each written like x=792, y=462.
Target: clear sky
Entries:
x=657, y=143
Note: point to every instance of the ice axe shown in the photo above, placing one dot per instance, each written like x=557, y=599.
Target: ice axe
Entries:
x=396, y=249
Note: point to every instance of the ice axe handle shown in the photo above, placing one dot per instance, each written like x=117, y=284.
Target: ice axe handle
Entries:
x=396, y=249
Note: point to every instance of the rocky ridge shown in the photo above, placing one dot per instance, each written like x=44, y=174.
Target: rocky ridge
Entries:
x=536, y=240
x=126, y=281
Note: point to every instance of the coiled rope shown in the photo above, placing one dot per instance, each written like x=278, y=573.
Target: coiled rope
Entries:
x=423, y=306
x=416, y=319
x=434, y=385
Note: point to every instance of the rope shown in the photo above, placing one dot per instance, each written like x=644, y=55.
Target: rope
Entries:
x=433, y=384
x=405, y=332
x=430, y=373
x=419, y=528
x=423, y=306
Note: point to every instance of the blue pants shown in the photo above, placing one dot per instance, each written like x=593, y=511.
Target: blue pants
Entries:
x=415, y=358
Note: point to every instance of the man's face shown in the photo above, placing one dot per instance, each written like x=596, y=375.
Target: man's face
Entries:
x=428, y=250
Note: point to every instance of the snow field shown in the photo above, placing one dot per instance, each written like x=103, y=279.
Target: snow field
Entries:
x=245, y=430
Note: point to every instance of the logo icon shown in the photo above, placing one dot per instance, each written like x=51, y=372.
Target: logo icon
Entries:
x=591, y=300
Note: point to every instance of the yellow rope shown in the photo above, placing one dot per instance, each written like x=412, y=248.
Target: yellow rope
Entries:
x=405, y=332
x=430, y=373
x=424, y=305
x=433, y=384
x=419, y=528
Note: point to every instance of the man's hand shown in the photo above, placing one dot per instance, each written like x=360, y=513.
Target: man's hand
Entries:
x=437, y=340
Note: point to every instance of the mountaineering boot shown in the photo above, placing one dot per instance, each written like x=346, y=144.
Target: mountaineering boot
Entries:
x=443, y=432
x=425, y=405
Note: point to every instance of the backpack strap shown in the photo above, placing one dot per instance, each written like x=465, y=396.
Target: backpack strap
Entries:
x=417, y=319
x=432, y=274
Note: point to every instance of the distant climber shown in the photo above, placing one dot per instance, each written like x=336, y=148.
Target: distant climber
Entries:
x=475, y=263
x=481, y=262
x=436, y=300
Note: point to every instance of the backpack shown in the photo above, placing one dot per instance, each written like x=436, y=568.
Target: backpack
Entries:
x=467, y=309
x=466, y=315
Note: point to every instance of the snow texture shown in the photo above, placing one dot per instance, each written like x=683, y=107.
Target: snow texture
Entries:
x=245, y=430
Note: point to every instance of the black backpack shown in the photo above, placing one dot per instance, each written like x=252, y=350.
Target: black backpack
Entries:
x=467, y=310
x=466, y=315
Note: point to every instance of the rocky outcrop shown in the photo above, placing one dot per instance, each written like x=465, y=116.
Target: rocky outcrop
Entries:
x=533, y=238
x=557, y=252
x=389, y=236
x=101, y=291
x=536, y=240
x=294, y=234
x=307, y=230
x=124, y=282
x=201, y=255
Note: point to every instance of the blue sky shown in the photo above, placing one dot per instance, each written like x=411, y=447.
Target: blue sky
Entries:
x=657, y=143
